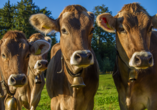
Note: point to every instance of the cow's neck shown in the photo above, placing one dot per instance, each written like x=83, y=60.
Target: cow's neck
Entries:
x=31, y=77
x=122, y=62
x=70, y=76
x=77, y=93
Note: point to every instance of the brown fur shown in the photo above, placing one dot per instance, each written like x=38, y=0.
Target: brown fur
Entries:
x=133, y=7
x=78, y=24
x=30, y=94
x=138, y=95
x=14, y=35
x=15, y=51
x=36, y=36
x=142, y=93
x=59, y=85
x=134, y=33
x=73, y=8
x=17, y=62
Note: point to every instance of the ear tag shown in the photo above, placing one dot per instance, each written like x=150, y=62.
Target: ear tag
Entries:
x=38, y=52
x=45, y=27
x=107, y=25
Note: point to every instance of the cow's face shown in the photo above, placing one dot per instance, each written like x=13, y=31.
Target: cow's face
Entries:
x=76, y=26
x=133, y=32
x=39, y=63
x=15, y=52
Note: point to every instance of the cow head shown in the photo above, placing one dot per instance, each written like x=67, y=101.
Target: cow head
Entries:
x=133, y=28
x=15, y=51
x=39, y=63
x=75, y=25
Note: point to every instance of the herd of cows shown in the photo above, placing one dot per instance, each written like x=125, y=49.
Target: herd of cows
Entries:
x=72, y=76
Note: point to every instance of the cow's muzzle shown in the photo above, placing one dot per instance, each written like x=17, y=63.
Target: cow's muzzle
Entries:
x=17, y=80
x=141, y=60
x=82, y=58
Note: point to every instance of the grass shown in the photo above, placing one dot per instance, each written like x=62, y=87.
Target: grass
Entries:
x=106, y=97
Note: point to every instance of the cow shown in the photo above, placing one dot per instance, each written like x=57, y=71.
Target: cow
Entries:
x=71, y=58
x=30, y=94
x=135, y=70
x=15, y=51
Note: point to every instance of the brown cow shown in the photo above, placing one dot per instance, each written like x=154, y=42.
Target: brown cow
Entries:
x=75, y=25
x=29, y=95
x=136, y=46
x=15, y=51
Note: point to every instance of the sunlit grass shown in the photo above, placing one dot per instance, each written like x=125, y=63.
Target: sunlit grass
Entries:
x=106, y=97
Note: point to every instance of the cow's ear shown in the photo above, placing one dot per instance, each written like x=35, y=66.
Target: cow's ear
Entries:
x=154, y=21
x=107, y=22
x=1, y=41
x=91, y=15
x=43, y=23
x=48, y=39
x=40, y=47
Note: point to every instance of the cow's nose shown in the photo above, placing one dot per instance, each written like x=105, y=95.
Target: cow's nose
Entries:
x=141, y=60
x=17, y=80
x=41, y=64
x=82, y=58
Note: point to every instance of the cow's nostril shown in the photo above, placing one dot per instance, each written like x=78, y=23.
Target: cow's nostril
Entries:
x=77, y=57
x=150, y=60
x=23, y=80
x=137, y=59
x=89, y=56
x=39, y=64
x=46, y=64
x=13, y=81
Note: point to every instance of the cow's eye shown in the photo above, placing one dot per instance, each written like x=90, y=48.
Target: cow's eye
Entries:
x=122, y=30
x=3, y=56
x=91, y=32
x=64, y=31
x=150, y=29
x=27, y=56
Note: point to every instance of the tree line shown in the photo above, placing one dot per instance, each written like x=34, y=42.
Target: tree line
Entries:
x=16, y=17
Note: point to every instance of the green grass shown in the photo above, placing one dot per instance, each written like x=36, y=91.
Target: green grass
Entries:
x=106, y=97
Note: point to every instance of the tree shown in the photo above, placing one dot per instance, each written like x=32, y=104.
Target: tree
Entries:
x=6, y=18
x=16, y=17
x=103, y=43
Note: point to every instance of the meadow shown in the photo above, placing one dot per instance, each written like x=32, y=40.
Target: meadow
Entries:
x=106, y=97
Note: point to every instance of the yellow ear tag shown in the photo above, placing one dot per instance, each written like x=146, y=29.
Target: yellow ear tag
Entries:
x=38, y=52
x=45, y=27
x=109, y=26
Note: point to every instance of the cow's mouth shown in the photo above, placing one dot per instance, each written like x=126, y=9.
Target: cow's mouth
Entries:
x=77, y=69
x=80, y=71
x=40, y=70
x=141, y=68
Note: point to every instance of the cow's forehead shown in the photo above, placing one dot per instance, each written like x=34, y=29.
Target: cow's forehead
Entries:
x=140, y=18
x=75, y=19
x=15, y=44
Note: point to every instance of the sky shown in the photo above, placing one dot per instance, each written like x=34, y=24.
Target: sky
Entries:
x=56, y=6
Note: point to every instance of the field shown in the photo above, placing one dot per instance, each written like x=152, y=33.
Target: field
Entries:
x=106, y=97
